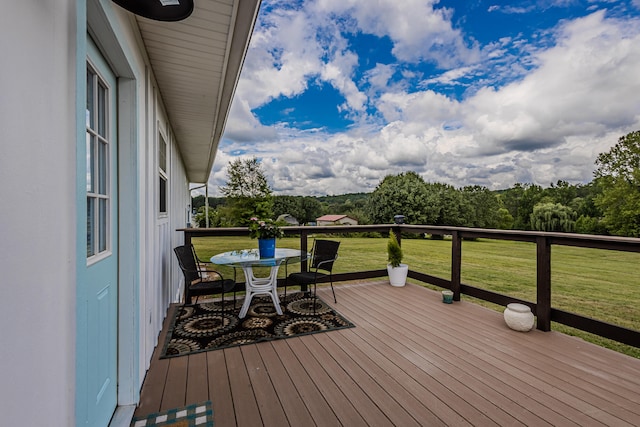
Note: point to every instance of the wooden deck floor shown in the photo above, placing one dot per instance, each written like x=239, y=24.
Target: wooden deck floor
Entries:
x=410, y=361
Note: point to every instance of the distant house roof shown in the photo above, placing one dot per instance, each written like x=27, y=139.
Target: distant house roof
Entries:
x=331, y=217
x=337, y=220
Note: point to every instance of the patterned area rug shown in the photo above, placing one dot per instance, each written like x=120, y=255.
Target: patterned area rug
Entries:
x=205, y=327
x=200, y=415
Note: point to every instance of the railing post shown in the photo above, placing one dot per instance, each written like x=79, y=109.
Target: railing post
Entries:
x=456, y=264
x=304, y=248
x=543, y=305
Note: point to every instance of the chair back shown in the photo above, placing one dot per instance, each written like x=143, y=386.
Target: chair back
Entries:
x=324, y=254
x=187, y=262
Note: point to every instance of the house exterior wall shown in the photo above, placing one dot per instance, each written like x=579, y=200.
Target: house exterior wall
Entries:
x=41, y=128
x=347, y=221
x=37, y=211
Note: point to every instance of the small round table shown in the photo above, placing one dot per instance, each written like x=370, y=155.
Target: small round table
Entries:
x=249, y=258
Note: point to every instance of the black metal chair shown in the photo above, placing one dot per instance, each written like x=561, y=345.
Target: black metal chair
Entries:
x=323, y=254
x=199, y=282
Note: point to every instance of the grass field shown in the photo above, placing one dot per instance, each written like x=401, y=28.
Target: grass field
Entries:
x=595, y=283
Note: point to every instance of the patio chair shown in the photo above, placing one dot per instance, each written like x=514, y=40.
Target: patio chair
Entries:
x=323, y=254
x=198, y=282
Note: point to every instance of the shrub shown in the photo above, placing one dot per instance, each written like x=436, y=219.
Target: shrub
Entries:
x=394, y=251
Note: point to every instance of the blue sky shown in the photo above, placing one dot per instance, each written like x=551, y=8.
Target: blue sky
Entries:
x=336, y=94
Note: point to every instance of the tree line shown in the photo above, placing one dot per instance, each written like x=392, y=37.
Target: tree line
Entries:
x=609, y=204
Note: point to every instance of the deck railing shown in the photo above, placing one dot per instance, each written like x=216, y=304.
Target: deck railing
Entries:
x=542, y=308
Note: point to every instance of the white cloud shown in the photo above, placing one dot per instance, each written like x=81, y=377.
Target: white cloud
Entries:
x=242, y=125
x=283, y=55
x=571, y=101
x=585, y=85
x=339, y=72
x=417, y=29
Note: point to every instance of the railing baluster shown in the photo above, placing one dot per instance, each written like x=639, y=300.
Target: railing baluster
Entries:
x=456, y=264
x=304, y=248
x=543, y=273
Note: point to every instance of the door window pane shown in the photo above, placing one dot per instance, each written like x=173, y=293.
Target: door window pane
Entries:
x=91, y=143
x=102, y=168
x=102, y=110
x=102, y=225
x=162, y=173
x=162, y=154
x=90, y=103
x=163, y=195
x=90, y=223
x=98, y=164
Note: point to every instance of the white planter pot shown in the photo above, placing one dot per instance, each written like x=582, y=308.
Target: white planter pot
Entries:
x=519, y=317
x=398, y=275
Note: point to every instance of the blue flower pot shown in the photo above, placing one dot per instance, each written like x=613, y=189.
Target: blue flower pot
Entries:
x=267, y=247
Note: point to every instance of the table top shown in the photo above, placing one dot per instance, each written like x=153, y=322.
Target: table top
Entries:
x=251, y=257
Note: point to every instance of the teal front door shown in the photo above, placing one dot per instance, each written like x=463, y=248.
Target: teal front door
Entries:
x=97, y=304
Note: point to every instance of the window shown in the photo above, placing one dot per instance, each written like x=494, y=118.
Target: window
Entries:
x=162, y=172
x=97, y=140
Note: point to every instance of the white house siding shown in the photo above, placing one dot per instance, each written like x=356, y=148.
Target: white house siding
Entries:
x=162, y=286
x=41, y=59
x=37, y=212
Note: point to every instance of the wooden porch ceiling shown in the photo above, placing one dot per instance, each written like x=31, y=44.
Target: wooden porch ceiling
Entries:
x=196, y=64
x=410, y=360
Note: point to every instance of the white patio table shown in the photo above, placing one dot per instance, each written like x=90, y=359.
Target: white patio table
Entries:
x=247, y=259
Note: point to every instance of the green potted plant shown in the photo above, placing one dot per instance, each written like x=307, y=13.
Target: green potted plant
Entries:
x=266, y=231
x=396, y=269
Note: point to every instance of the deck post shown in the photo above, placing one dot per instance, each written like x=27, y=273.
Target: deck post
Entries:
x=304, y=248
x=456, y=264
x=543, y=273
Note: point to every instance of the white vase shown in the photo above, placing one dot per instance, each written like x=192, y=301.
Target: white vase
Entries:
x=398, y=275
x=518, y=317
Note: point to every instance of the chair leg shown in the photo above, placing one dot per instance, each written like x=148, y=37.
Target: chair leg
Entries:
x=334, y=293
x=315, y=297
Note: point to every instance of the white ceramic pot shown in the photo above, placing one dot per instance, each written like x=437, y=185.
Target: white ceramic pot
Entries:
x=518, y=317
x=398, y=275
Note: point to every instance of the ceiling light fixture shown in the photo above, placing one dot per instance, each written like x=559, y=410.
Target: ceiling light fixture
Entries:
x=159, y=10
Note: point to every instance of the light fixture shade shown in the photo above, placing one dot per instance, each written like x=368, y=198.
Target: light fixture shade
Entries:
x=159, y=10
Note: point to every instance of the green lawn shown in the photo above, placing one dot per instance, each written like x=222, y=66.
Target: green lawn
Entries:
x=596, y=283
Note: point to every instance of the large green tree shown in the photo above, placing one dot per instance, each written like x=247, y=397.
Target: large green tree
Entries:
x=618, y=178
x=520, y=201
x=562, y=192
x=553, y=217
x=247, y=191
x=449, y=205
x=403, y=194
x=304, y=209
x=311, y=209
x=198, y=201
x=484, y=206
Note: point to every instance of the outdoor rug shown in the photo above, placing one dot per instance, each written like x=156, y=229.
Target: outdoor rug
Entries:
x=205, y=327
x=200, y=415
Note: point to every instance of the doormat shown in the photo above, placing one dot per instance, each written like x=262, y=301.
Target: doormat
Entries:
x=205, y=327
x=200, y=415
